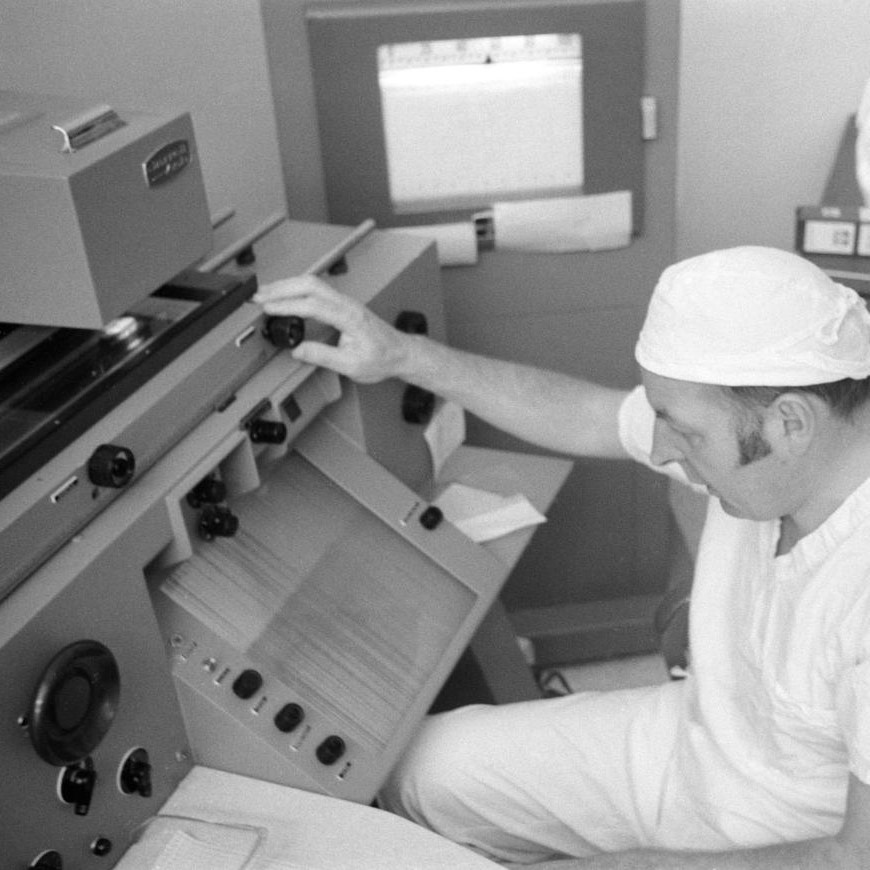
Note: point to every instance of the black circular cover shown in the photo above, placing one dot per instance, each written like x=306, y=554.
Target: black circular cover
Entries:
x=74, y=702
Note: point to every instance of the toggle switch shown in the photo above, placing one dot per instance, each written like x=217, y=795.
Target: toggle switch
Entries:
x=77, y=785
x=135, y=776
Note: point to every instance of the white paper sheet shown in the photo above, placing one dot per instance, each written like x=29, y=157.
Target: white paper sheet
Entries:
x=564, y=224
x=484, y=516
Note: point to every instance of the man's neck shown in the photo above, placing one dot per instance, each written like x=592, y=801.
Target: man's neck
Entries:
x=843, y=470
x=789, y=535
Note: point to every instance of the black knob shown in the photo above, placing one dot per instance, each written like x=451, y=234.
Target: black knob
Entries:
x=217, y=521
x=285, y=332
x=101, y=847
x=135, y=775
x=267, y=431
x=50, y=860
x=339, y=267
x=246, y=257
x=247, y=683
x=417, y=405
x=431, y=517
x=413, y=322
x=77, y=785
x=209, y=490
x=289, y=717
x=330, y=750
x=112, y=466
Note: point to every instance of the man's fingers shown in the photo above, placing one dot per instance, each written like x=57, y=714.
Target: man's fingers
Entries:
x=318, y=354
x=325, y=355
x=307, y=297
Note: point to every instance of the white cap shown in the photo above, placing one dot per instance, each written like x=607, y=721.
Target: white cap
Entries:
x=754, y=316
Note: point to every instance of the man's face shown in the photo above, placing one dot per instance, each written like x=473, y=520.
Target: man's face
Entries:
x=699, y=428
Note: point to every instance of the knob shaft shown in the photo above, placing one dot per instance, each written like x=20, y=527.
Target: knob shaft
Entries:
x=217, y=521
x=135, y=775
x=267, y=431
x=210, y=490
x=77, y=786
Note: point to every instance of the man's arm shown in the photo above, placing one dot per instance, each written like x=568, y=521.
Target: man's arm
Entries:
x=546, y=408
x=848, y=850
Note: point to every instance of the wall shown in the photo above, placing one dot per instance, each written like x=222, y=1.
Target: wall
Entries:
x=765, y=88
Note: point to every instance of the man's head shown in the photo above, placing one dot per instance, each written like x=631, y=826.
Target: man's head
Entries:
x=758, y=347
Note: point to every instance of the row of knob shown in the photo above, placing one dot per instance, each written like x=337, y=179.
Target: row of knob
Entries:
x=113, y=466
x=289, y=717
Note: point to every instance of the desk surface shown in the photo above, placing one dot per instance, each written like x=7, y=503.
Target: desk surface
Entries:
x=494, y=654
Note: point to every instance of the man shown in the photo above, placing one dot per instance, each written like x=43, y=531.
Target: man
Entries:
x=755, y=389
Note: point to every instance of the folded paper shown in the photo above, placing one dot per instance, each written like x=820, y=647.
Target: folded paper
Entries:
x=483, y=516
x=444, y=433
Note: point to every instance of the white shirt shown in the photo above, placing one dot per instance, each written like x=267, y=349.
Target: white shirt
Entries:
x=777, y=709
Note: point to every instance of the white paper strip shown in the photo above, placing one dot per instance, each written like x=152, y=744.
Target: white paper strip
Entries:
x=564, y=224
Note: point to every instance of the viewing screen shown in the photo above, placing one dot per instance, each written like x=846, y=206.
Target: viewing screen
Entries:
x=474, y=121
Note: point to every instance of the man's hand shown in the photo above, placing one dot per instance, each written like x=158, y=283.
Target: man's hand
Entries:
x=549, y=409
x=368, y=349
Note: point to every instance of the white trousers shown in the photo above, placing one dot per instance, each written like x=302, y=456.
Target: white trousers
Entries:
x=575, y=775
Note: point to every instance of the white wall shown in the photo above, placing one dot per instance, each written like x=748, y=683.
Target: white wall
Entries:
x=765, y=89
x=203, y=56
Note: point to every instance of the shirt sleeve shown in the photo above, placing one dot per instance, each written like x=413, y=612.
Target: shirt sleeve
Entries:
x=853, y=707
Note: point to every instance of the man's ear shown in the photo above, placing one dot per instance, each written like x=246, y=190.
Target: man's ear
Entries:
x=793, y=419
